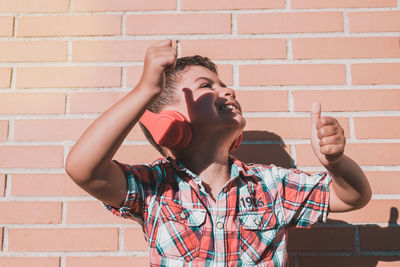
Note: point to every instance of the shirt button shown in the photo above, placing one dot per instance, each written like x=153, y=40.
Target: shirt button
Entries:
x=225, y=189
x=220, y=225
x=182, y=215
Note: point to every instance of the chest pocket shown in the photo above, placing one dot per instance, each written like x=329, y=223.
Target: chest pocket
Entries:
x=179, y=231
x=257, y=231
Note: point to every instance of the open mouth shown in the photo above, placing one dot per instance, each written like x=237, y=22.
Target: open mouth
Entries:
x=229, y=107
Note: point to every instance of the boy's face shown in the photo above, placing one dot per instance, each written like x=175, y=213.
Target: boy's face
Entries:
x=206, y=101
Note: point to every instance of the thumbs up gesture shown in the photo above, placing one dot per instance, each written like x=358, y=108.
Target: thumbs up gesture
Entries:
x=327, y=137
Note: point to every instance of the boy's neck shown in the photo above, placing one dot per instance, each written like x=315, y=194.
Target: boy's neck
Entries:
x=212, y=168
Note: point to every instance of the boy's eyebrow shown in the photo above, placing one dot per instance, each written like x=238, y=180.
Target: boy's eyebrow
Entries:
x=211, y=81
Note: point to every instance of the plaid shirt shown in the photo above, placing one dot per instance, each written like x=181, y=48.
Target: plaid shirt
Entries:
x=246, y=226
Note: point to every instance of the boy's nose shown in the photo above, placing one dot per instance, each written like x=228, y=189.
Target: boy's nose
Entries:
x=226, y=91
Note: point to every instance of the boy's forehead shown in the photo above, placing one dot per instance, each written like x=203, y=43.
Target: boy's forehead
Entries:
x=194, y=72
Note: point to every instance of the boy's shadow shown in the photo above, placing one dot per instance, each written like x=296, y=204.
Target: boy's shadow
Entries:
x=369, y=246
x=264, y=148
x=370, y=243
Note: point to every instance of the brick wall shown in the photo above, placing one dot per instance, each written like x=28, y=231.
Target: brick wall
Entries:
x=64, y=62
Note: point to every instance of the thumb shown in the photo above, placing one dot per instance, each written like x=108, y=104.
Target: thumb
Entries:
x=315, y=112
x=315, y=115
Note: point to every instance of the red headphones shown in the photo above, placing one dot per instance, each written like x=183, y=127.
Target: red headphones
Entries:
x=171, y=129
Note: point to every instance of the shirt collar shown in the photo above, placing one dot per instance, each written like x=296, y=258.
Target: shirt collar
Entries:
x=238, y=168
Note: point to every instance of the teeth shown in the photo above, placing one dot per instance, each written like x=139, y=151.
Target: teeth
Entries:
x=228, y=107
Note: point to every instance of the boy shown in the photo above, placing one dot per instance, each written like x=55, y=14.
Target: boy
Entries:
x=199, y=206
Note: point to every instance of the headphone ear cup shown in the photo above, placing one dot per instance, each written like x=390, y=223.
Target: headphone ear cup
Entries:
x=168, y=128
x=236, y=143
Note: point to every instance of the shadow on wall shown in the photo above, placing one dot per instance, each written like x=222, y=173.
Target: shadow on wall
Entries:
x=336, y=243
x=272, y=151
x=340, y=244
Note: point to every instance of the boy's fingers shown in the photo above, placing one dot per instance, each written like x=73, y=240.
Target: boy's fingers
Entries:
x=167, y=42
x=332, y=150
x=325, y=121
x=328, y=131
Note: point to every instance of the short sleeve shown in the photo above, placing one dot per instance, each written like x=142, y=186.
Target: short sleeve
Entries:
x=305, y=198
x=141, y=183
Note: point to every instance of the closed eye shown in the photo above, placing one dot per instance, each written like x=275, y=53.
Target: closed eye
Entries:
x=205, y=85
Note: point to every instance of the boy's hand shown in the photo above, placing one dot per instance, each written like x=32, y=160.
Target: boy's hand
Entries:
x=159, y=58
x=327, y=137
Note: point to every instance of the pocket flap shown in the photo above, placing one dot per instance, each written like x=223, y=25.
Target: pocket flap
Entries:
x=256, y=220
x=190, y=217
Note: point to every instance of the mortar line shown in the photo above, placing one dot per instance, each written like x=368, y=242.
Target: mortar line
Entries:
x=234, y=25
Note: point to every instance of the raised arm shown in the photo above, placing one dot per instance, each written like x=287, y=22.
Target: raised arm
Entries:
x=89, y=163
x=349, y=188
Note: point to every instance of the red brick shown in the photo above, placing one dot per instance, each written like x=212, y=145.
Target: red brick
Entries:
x=348, y=47
x=375, y=73
x=348, y=100
x=379, y=238
x=23, y=212
x=135, y=72
x=17, y=51
x=123, y=5
x=299, y=127
x=66, y=77
x=106, y=261
x=348, y=261
x=91, y=212
x=32, y=103
x=178, y=24
x=137, y=154
x=321, y=239
x=26, y=6
x=5, y=77
x=69, y=25
x=2, y=184
x=377, y=127
x=382, y=21
x=229, y=4
x=110, y=50
x=31, y=156
x=377, y=211
x=341, y=3
x=262, y=100
x=134, y=239
x=290, y=22
x=93, y=102
x=384, y=182
x=364, y=154
x=292, y=74
x=278, y=154
x=54, y=129
x=3, y=130
x=98, y=103
x=7, y=26
x=63, y=240
x=235, y=48
x=225, y=73
x=44, y=185
x=30, y=261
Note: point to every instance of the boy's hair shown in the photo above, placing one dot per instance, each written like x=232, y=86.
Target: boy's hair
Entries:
x=168, y=94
